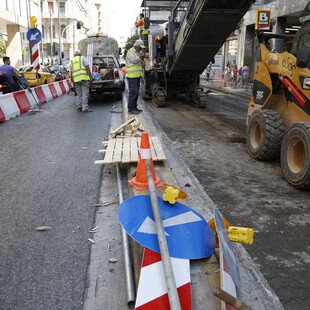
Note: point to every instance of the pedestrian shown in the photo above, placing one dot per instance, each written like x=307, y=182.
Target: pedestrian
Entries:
x=81, y=78
x=234, y=76
x=134, y=72
x=240, y=73
x=246, y=75
x=10, y=72
x=208, y=70
x=227, y=75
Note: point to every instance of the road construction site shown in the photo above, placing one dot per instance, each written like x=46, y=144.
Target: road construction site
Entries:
x=77, y=263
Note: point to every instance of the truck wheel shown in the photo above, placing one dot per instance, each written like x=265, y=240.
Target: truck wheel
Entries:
x=295, y=155
x=264, y=134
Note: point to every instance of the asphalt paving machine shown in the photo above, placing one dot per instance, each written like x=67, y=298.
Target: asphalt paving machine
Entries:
x=182, y=47
x=278, y=120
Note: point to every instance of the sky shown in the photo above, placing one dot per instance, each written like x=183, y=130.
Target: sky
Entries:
x=119, y=16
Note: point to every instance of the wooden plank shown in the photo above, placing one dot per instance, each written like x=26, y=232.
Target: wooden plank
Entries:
x=133, y=150
x=154, y=156
x=126, y=151
x=158, y=149
x=117, y=156
x=99, y=162
x=109, y=154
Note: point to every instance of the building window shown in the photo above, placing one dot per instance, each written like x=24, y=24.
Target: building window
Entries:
x=50, y=7
x=64, y=34
x=43, y=32
x=62, y=7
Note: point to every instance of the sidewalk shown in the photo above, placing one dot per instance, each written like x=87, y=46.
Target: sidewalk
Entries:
x=218, y=85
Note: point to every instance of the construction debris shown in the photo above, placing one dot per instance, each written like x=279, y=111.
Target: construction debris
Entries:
x=43, y=228
x=104, y=204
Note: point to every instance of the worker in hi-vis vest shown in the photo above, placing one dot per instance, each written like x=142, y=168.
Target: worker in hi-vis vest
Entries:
x=134, y=72
x=140, y=22
x=81, y=78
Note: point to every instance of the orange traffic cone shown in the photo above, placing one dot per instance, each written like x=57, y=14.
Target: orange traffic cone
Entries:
x=140, y=180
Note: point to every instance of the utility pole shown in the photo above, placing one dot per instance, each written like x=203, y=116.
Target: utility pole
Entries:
x=51, y=35
x=59, y=56
x=74, y=25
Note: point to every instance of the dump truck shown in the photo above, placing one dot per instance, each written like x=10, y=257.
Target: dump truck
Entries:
x=102, y=53
x=181, y=47
x=278, y=118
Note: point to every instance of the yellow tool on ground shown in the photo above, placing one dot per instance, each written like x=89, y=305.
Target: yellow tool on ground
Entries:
x=236, y=234
x=241, y=234
x=172, y=193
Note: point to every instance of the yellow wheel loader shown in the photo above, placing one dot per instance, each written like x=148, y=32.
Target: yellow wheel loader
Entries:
x=278, y=119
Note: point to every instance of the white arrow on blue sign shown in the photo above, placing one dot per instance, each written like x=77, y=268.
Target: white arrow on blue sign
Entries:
x=227, y=248
x=187, y=232
x=34, y=36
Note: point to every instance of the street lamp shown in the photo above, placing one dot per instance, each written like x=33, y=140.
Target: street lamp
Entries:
x=62, y=39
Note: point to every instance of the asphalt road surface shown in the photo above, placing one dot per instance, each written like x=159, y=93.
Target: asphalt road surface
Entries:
x=48, y=178
x=249, y=193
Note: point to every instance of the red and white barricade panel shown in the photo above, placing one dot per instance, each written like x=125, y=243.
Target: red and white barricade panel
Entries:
x=9, y=106
x=152, y=290
x=63, y=87
x=47, y=92
x=53, y=90
x=22, y=101
x=33, y=98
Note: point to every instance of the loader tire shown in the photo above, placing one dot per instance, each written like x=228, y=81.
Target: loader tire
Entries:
x=295, y=155
x=264, y=134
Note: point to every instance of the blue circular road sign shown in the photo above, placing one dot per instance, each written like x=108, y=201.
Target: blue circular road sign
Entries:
x=34, y=36
x=187, y=232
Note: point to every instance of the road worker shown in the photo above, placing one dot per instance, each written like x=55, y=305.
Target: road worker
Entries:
x=134, y=72
x=81, y=78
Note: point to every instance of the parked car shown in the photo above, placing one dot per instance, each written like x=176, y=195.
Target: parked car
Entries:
x=60, y=72
x=107, y=75
x=45, y=76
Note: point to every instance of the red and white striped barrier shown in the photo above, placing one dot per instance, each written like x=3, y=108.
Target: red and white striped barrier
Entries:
x=47, y=92
x=22, y=101
x=152, y=290
x=33, y=98
x=17, y=103
x=9, y=106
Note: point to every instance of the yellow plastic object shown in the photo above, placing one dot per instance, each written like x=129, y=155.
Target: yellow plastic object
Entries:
x=32, y=21
x=241, y=234
x=172, y=193
x=182, y=195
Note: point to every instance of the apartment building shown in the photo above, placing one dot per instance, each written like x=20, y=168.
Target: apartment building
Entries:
x=58, y=20
x=64, y=24
x=14, y=16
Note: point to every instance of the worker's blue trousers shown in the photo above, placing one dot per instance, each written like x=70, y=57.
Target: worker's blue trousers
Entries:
x=134, y=86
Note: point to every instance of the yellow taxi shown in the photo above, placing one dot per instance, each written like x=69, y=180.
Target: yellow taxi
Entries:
x=45, y=76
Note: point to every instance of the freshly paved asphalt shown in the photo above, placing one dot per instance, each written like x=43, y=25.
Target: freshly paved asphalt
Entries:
x=48, y=178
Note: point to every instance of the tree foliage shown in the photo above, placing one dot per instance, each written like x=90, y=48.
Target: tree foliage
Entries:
x=2, y=48
x=129, y=43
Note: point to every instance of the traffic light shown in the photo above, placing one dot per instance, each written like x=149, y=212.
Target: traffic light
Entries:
x=78, y=25
x=62, y=55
